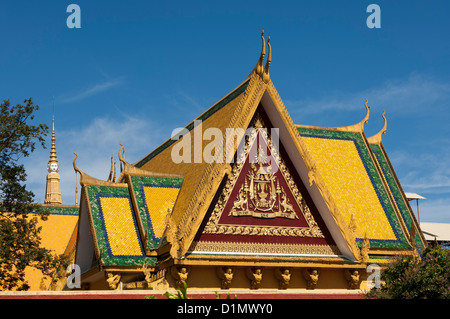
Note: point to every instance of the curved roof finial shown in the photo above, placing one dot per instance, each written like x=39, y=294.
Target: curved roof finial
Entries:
x=111, y=171
x=358, y=127
x=376, y=139
x=266, y=76
x=366, y=118
x=259, y=66
x=384, y=129
x=127, y=167
x=75, y=167
x=122, y=155
x=86, y=179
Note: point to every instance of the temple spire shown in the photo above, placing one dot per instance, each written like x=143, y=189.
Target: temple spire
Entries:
x=53, y=187
x=53, y=158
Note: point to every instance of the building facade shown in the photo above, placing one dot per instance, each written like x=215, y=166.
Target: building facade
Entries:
x=243, y=198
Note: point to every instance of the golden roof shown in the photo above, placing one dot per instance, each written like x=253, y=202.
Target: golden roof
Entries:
x=57, y=235
x=346, y=161
x=337, y=164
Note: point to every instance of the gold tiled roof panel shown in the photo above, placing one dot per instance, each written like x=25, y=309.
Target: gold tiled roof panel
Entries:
x=346, y=177
x=120, y=226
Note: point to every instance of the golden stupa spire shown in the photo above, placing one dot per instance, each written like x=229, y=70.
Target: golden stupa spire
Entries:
x=53, y=188
x=53, y=158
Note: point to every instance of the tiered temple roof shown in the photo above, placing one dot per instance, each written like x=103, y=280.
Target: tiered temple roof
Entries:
x=328, y=198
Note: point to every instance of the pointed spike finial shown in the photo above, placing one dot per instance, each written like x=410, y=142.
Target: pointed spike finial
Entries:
x=111, y=170
x=266, y=75
x=259, y=68
x=114, y=175
x=53, y=158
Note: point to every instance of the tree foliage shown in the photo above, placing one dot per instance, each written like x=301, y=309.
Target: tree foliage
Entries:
x=417, y=278
x=19, y=232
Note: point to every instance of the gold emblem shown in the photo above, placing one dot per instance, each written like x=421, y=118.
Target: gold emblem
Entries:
x=259, y=197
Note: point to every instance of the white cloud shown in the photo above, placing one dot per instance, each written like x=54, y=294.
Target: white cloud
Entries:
x=90, y=91
x=416, y=93
x=416, y=109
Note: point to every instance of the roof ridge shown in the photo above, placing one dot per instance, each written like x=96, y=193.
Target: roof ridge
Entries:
x=205, y=115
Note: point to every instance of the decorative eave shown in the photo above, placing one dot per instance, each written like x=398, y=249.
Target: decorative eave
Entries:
x=128, y=169
x=86, y=179
x=356, y=128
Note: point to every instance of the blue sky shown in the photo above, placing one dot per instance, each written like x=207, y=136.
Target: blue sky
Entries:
x=136, y=70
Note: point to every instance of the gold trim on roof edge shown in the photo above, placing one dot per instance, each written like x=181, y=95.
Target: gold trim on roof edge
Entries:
x=397, y=181
x=387, y=188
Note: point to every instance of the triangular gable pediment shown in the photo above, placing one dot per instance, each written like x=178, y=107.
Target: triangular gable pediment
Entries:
x=263, y=208
x=265, y=96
